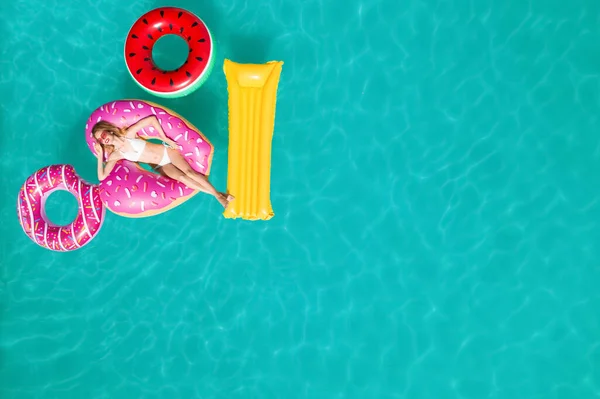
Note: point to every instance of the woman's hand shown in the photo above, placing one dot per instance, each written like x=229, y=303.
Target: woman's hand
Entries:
x=172, y=144
x=99, y=151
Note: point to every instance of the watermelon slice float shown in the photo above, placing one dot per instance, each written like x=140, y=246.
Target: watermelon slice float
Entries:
x=152, y=26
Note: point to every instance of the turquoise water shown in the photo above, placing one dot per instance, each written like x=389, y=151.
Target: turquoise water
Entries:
x=433, y=182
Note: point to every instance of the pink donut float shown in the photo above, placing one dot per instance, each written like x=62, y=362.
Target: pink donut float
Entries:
x=132, y=191
x=32, y=215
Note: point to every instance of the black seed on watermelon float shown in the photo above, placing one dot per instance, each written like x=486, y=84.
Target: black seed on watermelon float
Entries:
x=149, y=28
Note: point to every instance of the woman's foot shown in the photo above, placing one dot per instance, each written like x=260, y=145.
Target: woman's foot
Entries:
x=224, y=199
x=221, y=200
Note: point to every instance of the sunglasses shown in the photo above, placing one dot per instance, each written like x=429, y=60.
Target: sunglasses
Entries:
x=103, y=136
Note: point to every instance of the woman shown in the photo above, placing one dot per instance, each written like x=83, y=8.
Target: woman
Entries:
x=119, y=143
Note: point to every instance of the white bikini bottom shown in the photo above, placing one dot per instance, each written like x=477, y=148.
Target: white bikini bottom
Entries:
x=165, y=159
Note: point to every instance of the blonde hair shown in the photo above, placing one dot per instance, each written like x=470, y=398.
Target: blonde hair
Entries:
x=109, y=127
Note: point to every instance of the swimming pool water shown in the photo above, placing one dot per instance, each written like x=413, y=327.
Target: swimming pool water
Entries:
x=436, y=209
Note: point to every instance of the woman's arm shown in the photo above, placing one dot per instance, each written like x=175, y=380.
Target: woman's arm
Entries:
x=104, y=170
x=150, y=121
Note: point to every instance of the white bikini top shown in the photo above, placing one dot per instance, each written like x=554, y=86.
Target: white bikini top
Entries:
x=138, y=146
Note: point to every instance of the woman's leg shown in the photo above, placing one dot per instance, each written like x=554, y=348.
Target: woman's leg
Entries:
x=185, y=167
x=175, y=173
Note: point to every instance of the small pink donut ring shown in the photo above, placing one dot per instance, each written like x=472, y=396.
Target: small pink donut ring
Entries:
x=32, y=215
x=132, y=191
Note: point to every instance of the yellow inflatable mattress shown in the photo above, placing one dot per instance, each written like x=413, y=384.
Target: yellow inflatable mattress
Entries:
x=252, y=96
